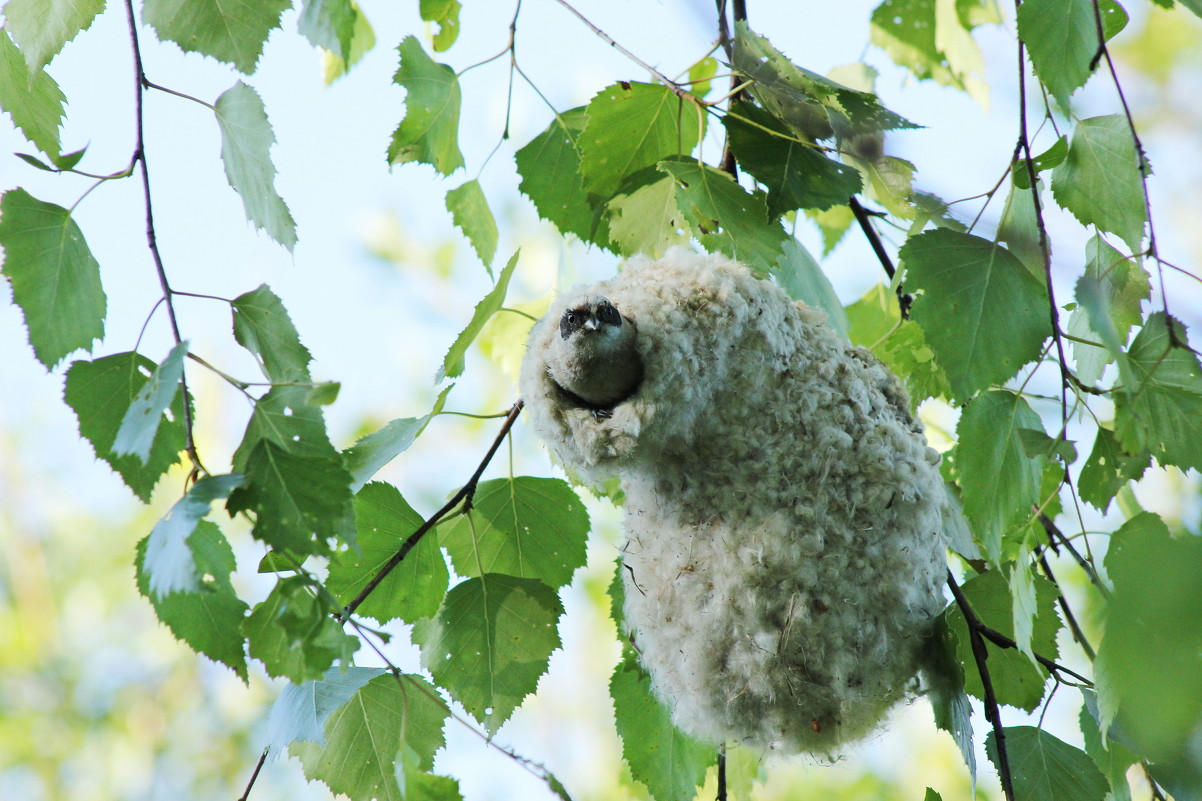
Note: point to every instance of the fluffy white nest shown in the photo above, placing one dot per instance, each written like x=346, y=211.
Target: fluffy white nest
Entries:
x=782, y=507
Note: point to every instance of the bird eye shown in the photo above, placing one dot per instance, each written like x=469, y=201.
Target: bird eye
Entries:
x=609, y=314
x=569, y=317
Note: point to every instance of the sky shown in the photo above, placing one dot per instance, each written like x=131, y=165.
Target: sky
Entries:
x=381, y=326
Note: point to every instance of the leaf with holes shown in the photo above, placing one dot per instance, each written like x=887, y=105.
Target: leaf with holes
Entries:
x=285, y=416
x=1108, y=469
x=632, y=126
x=55, y=280
x=231, y=32
x=444, y=14
x=209, y=619
x=670, y=763
x=101, y=393
x=526, y=527
x=246, y=140
x=415, y=588
x=429, y=132
x=168, y=559
x=490, y=643
x=982, y=311
x=363, y=736
x=724, y=216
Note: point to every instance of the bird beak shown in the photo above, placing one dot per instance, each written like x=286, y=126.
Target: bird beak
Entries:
x=592, y=324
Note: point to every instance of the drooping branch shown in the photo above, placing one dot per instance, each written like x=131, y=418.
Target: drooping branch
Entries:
x=992, y=710
x=464, y=495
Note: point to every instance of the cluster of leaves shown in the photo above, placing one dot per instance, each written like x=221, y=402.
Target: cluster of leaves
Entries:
x=620, y=174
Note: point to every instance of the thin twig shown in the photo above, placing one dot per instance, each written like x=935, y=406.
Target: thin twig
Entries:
x=993, y=711
x=464, y=495
x=254, y=776
x=874, y=239
x=151, y=240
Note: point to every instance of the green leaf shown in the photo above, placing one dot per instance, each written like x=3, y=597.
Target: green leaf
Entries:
x=1151, y=655
x=364, y=735
x=1016, y=680
x=670, y=763
x=210, y=619
x=525, y=527
x=833, y=223
x=300, y=712
x=469, y=209
x=31, y=97
x=416, y=784
x=444, y=14
x=800, y=276
x=1037, y=443
x=646, y=219
x=1018, y=229
x=932, y=795
x=246, y=140
x=55, y=280
x=999, y=482
x=1112, y=758
x=949, y=701
x=724, y=217
x=168, y=560
x=300, y=501
x=429, y=133
x=1158, y=409
x=229, y=32
x=891, y=183
x=1108, y=469
x=101, y=392
x=285, y=417
x=982, y=311
x=365, y=458
x=701, y=75
x=1100, y=182
x=292, y=634
x=490, y=643
x=1062, y=40
x=1045, y=768
x=329, y=24
x=1054, y=156
x=550, y=168
x=42, y=27
x=141, y=421
x=797, y=176
x=453, y=363
x=416, y=587
x=262, y=326
x=1110, y=297
x=632, y=126
x=323, y=394
x=814, y=107
x=363, y=39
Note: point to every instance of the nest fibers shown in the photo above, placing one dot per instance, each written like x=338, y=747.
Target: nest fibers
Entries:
x=782, y=507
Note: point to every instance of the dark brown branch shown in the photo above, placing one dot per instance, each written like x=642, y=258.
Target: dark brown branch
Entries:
x=992, y=710
x=151, y=239
x=464, y=495
x=721, y=773
x=254, y=776
x=878, y=247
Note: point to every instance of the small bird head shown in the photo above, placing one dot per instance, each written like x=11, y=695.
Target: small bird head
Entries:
x=589, y=313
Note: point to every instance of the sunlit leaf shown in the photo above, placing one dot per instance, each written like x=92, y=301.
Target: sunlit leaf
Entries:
x=429, y=133
x=262, y=326
x=246, y=140
x=300, y=712
x=550, y=168
x=670, y=763
x=329, y=24
x=365, y=458
x=293, y=635
x=415, y=588
x=982, y=311
x=469, y=209
x=631, y=126
x=167, y=560
x=42, y=27
x=141, y=421
x=490, y=642
x=1100, y=182
x=444, y=14
x=1062, y=40
x=724, y=216
x=526, y=527
x=999, y=480
x=55, y=280
x=32, y=99
x=646, y=219
x=208, y=619
x=101, y=392
x=285, y=417
x=454, y=362
x=229, y=32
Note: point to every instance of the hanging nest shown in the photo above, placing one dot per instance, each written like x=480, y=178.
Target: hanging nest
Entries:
x=782, y=509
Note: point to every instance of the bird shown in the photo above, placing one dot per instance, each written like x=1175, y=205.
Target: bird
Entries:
x=594, y=359
x=783, y=557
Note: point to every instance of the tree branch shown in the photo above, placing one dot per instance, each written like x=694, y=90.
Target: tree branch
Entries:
x=878, y=247
x=254, y=776
x=976, y=631
x=464, y=495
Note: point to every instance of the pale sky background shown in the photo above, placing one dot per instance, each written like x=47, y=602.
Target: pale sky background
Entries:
x=381, y=328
